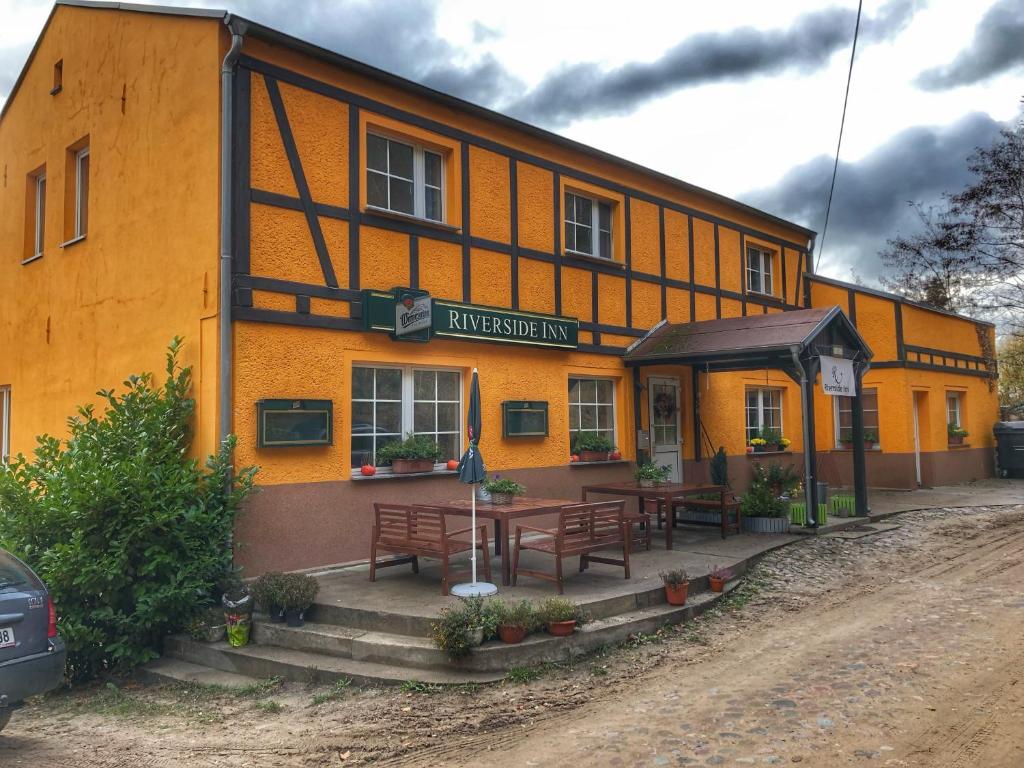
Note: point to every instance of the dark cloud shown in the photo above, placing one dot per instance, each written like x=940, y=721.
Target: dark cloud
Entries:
x=871, y=198
x=582, y=91
x=997, y=47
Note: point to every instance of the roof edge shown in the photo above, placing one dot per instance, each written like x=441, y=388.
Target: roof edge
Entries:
x=895, y=297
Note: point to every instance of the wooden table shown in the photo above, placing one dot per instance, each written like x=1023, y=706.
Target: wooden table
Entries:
x=666, y=494
x=503, y=515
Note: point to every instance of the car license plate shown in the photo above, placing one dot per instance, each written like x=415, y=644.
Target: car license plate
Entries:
x=6, y=637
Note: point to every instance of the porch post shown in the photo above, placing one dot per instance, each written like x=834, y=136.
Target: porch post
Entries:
x=637, y=412
x=696, y=413
x=807, y=373
x=860, y=481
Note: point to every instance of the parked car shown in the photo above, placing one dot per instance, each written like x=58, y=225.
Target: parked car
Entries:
x=31, y=652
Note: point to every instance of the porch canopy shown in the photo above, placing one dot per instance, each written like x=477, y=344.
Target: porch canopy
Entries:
x=788, y=341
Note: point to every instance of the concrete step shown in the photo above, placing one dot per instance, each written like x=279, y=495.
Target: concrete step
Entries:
x=264, y=661
x=177, y=671
x=398, y=650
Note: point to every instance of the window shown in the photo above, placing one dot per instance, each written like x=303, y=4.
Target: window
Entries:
x=81, y=192
x=844, y=417
x=953, y=409
x=759, y=270
x=36, y=210
x=58, y=77
x=5, y=424
x=591, y=408
x=588, y=226
x=389, y=402
x=764, y=411
x=404, y=178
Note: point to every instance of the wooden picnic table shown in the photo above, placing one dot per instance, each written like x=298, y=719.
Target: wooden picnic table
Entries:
x=503, y=515
x=666, y=494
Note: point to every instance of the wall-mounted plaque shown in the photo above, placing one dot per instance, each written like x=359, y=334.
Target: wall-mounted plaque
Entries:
x=524, y=418
x=290, y=423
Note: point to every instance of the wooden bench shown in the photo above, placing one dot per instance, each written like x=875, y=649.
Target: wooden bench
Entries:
x=415, y=532
x=729, y=511
x=583, y=529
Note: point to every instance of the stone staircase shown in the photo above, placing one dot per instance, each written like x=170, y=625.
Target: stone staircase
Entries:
x=373, y=647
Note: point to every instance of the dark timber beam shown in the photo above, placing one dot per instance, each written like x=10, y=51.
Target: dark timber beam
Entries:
x=860, y=480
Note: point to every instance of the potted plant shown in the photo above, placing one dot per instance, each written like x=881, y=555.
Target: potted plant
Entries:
x=237, y=603
x=417, y=453
x=592, y=446
x=502, y=490
x=464, y=625
x=208, y=625
x=758, y=444
x=870, y=438
x=718, y=576
x=267, y=592
x=772, y=439
x=650, y=474
x=956, y=434
x=784, y=443
x=297, y=593
x=677, y=584
x=561, y=616
x=514, y=620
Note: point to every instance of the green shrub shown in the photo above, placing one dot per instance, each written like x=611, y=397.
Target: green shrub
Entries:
x=298, y=591
x=720, y=468
x=555, y=609
x=592, y=441
x=413, y=447
x=268, y=590
x=759, y=501
x=499, y=484
x=651, y=471
x=521, y=614
x=129, y=533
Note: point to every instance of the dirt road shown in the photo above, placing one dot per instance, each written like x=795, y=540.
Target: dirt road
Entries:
x=902, y=648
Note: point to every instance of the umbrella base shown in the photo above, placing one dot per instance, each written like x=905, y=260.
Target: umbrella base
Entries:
x=474, y=589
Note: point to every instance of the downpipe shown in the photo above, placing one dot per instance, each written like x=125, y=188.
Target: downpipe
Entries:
x=809, y=495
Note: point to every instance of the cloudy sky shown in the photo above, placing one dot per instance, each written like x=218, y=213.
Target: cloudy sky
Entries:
x=742, y=97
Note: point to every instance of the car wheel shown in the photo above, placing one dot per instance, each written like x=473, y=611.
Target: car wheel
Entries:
x=5, y=716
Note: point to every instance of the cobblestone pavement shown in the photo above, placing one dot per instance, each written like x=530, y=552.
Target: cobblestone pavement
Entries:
x=900, y=648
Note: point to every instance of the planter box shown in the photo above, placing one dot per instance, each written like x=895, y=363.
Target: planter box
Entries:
x=695, y=516
x=766, y=524
x=956, y=440
x=410, y=466
x=594, y=455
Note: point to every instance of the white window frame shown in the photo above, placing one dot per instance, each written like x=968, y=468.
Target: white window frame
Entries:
x=836, y=422
x=762, y=278
x=5, y=424
x=956, y=412
x=615, y=406
x=419, y=179
x=40, y=218
x=761, y=409
x=595, y=224
x=409, y=405
x=79, y=156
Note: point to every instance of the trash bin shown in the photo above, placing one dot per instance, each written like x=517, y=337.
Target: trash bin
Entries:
x=822, y=493
x=1009, y=448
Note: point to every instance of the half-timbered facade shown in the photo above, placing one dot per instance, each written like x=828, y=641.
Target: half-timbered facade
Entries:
x=348, y=191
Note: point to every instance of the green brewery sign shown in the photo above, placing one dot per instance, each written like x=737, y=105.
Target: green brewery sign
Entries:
x=403, y=312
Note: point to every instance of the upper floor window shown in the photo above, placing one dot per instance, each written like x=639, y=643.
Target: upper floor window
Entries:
x=81, y=192
x=588, y=226
x=844, y=418
x=764, y=411
x=759, y=270
x=591, y=408
x=35, y=215
x=404, y=178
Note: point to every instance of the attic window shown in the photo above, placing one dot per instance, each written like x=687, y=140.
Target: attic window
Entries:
x=58, y=77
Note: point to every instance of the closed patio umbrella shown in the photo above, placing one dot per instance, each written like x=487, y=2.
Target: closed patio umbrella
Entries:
x=471, y=472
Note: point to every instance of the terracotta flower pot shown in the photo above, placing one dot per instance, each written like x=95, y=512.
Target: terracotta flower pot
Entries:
x=409, y=466
x=676, y=595
x=510, y=633
x=956, y=439
x=593, y=455
x=717, y=585
x=561, y=628
x=760, y=449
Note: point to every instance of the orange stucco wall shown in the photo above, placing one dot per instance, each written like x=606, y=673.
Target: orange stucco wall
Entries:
x=144, y=88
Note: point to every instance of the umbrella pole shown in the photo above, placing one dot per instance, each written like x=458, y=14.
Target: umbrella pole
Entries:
x=473, y=504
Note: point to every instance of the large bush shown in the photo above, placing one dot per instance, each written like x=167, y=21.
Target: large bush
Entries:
x=130, y=534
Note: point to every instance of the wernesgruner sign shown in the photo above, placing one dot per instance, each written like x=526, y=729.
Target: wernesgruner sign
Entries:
x=454, y=320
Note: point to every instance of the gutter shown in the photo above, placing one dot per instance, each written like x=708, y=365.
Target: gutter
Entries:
x=227, y=86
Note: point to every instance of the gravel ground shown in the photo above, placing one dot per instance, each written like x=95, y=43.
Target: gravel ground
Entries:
x=902, y=648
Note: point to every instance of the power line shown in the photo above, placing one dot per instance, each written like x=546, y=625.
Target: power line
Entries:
x=842, y=123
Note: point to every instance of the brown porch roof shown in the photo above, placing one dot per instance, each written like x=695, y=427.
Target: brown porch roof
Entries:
x=751, y=341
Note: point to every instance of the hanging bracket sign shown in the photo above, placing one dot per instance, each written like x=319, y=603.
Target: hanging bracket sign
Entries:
x=837, y=377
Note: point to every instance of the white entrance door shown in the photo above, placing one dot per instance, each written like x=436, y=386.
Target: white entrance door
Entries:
x=665, y=425
x=917, y=438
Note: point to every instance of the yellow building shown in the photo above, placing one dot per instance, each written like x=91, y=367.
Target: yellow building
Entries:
x=172, y=172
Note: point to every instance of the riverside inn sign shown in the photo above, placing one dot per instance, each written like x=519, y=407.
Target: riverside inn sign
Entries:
x=412, y=315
